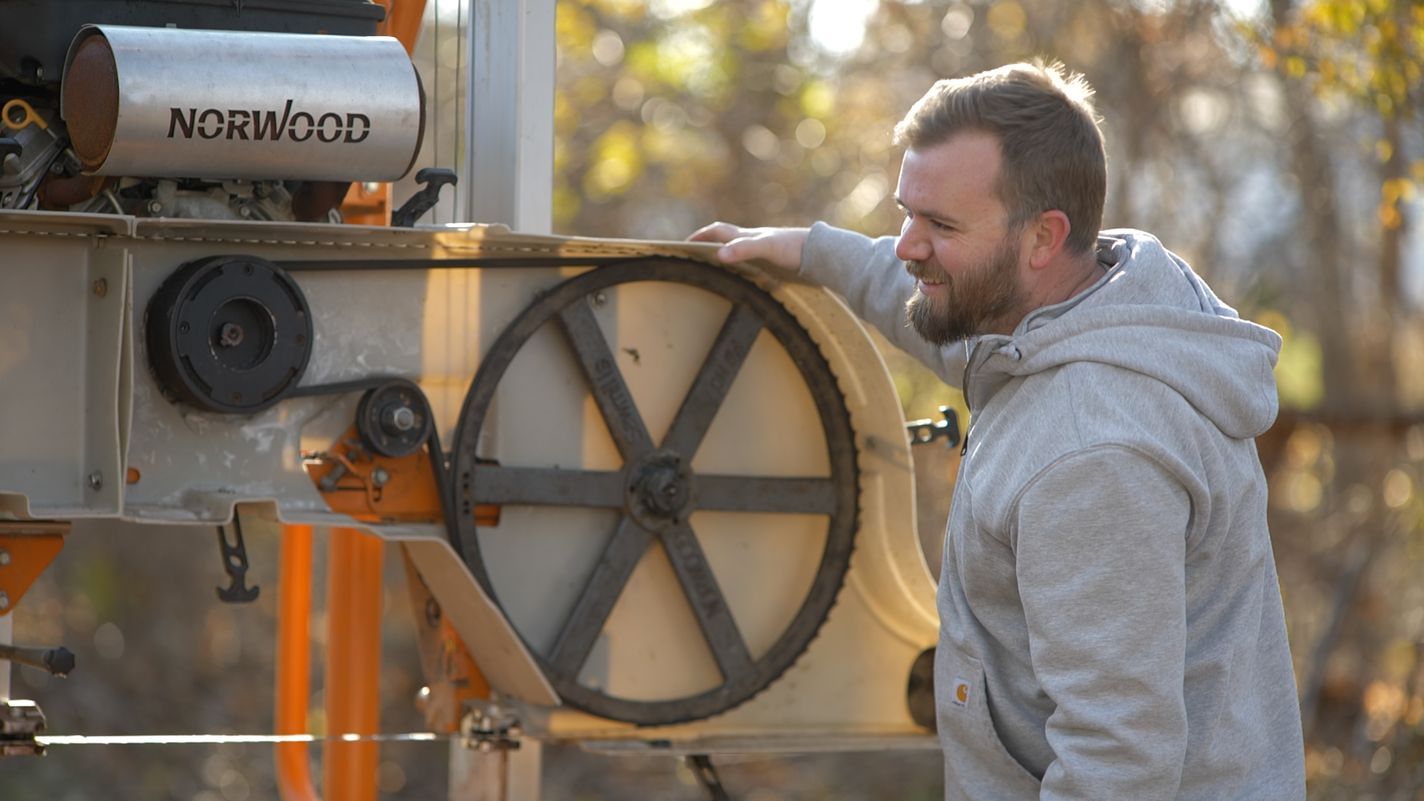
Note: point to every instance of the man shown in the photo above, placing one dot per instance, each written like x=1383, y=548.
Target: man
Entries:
x=1111, y=624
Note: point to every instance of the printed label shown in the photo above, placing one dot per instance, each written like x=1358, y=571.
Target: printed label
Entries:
x=960, y=694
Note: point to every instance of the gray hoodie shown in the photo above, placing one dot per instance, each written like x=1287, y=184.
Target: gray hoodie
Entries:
x=1111, y=624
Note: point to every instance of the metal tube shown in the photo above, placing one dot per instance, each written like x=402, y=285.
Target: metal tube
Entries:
x=169, y=102
x=353, y=663
x=294, y=589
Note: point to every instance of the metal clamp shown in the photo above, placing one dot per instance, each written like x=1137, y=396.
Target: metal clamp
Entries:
x=424, y=200
x=20, y=723
x=490, y=727
x=923, y=432
x=234, y=556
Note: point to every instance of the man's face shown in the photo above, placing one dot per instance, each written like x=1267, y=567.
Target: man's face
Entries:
x=956, y=241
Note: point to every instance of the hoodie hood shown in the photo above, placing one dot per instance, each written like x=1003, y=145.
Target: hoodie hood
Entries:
x=1153, y=315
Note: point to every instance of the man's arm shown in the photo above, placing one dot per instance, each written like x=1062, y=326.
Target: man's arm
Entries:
x=862, y=270
x=1100, y=545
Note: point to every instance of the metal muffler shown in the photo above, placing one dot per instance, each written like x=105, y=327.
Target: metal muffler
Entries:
x=173, y=103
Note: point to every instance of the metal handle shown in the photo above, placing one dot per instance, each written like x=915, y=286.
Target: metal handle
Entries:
x=55, y=661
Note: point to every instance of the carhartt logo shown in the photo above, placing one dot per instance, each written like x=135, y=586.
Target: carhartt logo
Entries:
x=961, y=692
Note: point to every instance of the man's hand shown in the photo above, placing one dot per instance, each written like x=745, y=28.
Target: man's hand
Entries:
x=779, y=246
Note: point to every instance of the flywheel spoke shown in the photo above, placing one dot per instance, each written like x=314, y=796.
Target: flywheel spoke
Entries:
x=622, y=553
x=713, y=381
x=610, y=391
x=547, y=486
x=816, y=496
x=708, y=602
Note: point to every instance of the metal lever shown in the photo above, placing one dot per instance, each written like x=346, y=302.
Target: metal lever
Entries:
x=923, y=432
x=702, y=768
x=234, y=556
x=413, y=209
x=55, y=661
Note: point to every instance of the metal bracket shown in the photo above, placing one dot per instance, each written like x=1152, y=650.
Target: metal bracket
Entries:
x=234, y=556
x=490, y=727
x=20, y=723
x=923, y=432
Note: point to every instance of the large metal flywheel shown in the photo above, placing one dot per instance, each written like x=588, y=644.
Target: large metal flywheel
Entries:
x=657, y=491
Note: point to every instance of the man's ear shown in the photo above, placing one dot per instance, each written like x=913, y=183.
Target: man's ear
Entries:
x=1049, y=233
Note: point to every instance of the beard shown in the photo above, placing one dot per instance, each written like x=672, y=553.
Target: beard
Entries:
x=973, y=303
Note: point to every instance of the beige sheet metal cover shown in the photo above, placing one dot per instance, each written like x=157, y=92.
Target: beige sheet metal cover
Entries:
x=384, y=302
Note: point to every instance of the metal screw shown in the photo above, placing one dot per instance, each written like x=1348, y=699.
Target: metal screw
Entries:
x=101, y=287
x=4, y=557
x=244, y=211
x=379, y=477
x=4, y=601
x=155, y=207
x=231, y=335
x=96, y=480
x=599, y=298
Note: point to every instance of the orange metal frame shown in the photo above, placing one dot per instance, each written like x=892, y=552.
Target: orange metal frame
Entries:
x=354, y=587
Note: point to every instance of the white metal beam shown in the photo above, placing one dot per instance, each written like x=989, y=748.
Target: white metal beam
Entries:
x=509, y=152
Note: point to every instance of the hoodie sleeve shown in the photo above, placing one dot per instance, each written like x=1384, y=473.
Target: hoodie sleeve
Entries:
x=1100, y=545
x=874, y=283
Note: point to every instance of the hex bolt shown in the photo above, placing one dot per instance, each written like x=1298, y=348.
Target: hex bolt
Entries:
x=398, y=419
x=96, y=480
x=155, y=207
x=379, y=477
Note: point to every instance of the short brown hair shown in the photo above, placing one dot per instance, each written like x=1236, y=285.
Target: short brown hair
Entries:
x=1048, y=136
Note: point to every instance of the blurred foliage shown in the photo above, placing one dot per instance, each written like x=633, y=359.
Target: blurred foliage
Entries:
x=1366, y=53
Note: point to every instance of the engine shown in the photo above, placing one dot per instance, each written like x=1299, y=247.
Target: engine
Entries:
x=255, y=111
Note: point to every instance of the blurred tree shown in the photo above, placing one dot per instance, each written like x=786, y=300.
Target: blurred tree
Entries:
x=1350, y=76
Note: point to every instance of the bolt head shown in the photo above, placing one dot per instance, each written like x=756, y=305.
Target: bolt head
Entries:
x=398, y=419
x=4, y=558
x=231, y=335
x=379, y=477
x=96, y=480
x=4, y=601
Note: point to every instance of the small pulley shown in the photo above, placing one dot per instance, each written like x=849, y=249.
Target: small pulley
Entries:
x=394, y=419
x=229, y=334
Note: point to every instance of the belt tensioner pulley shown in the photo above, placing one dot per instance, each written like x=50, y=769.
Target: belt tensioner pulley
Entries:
x=229, y=334
x=657, y=491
